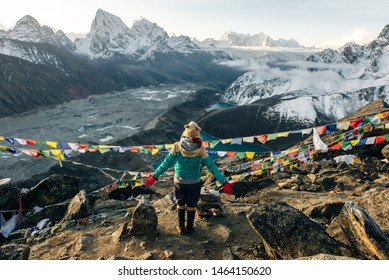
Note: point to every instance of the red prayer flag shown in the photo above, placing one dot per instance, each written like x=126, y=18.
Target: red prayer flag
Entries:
x=356, y=122
x=262, y=138
x=230, y=154
x=380, y=139
x=30, y=142
x=335, y=147
x=35, y=153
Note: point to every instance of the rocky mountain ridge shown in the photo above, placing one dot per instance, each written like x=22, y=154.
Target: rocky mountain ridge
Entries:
x=231, y=38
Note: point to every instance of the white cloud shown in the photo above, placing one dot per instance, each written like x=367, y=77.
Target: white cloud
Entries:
x=360, y=36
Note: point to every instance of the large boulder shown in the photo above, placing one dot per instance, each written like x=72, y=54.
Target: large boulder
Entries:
x=385, y=152
x=144, y=219
x=288, y=234
x=14, y=252
x=362, y=232
x=52, y=190
x=210, y=205
x=242, y=189
x=324, y=213
x=9, y=197
x=78, y=207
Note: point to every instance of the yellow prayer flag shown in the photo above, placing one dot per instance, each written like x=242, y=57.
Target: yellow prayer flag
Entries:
x=103, y=147
x=367, y=128
x=55, y=228
x=169, y=146
x=2, y=138
x=283, y=134
x=154, y=151
x=225, y=141
x=258, y=172
x=58, y=154
x=387, y=125
x=52, y=144
x=250, y=155
x=138, y=183
x=354, y=142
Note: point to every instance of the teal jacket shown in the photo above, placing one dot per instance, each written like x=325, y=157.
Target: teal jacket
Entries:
x=187, y=165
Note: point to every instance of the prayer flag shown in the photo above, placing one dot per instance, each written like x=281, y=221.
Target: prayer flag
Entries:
x=225, y=141
x=272, y=136
x=249, y=139
x=343, y=125
x=21, y=141
x=30, y=142
x=356, y=122
x=236, y=141
x=262, y=138
x=306, y=131
x=221, y=153
x=58, y=154
x=51, y=144
x=380, y=139
x=370, y=141
x=250, y=155
x=283, y=134
x=213, y=143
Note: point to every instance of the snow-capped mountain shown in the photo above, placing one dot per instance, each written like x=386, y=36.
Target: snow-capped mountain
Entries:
x=324, y=87
x=28, y=29
x=2, y=27
x=230, y=38
x=41, y=67
x=109, y=37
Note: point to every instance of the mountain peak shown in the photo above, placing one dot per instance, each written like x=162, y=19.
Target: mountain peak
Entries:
x=143, y=27
x=105, y=21
x=27, y=20
x=384, y=33
x=26, y=29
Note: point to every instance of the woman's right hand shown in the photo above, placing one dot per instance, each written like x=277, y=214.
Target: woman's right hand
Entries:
x=149, y=181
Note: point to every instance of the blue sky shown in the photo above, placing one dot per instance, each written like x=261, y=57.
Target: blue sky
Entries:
x=311, y=22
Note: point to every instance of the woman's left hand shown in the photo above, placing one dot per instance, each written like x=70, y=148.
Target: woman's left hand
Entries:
x=227, y=188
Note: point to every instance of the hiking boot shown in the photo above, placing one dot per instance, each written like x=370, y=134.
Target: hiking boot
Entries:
x=181, y=230
x=190, y=231
x=190, y=221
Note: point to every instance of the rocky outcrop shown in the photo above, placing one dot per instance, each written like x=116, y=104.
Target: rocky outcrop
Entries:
x=78, y=207
x=326, y=257
x=288, y=234
x=362, y=232
x=14, y=252
x=51, y=190
x=144, y=219
x=385, y=152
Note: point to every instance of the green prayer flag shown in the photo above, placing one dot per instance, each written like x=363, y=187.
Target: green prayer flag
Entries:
x=240, y=155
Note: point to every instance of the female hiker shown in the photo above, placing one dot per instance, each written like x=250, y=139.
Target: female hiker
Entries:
x=187, y=157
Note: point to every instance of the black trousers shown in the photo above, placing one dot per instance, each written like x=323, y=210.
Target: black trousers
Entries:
x=187, y=194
